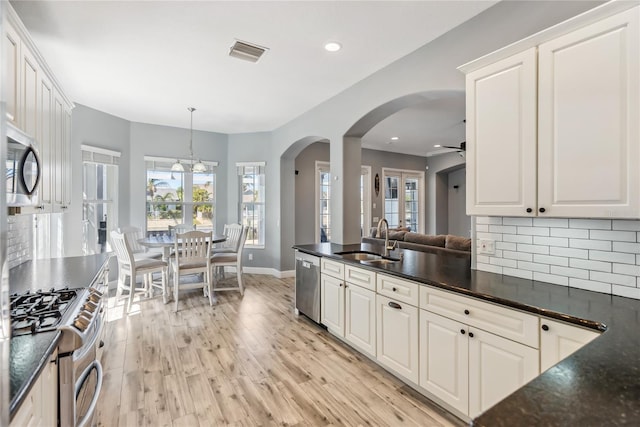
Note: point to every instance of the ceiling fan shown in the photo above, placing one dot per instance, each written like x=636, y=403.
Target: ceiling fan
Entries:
x=461, y=148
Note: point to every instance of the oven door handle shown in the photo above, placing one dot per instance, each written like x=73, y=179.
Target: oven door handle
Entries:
x=94, y=401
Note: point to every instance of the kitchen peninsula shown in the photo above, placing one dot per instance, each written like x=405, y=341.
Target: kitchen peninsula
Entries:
x=595, y=385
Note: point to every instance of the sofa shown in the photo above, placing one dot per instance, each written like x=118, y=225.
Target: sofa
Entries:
x=438, y=244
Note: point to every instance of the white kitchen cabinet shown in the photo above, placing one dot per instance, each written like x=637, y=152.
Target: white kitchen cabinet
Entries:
x=501, y=137
x=397, y=337
x=62, y=152
x=444, y=359
x=332, y=304
x=559, y=340
x=589, y=132
x=559, y=137
x=360, y=318
x=497, y=368
x=11, y=67
x=46, y=143
x=40, y=406
x=29, y=82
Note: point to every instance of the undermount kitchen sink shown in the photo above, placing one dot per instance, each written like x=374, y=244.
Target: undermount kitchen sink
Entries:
x=367, y=257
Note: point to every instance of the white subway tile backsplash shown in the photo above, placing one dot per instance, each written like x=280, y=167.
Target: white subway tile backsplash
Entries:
x=489, y=268
x=510, y=229
x=489, y=220
x=517, y=238
x=600, y=255
x=551, y=222
x=570, y=272
x=613, y=257
x=551, y=260
x=534, y=231
x=625, y=224
x=575, y=233
x=590, y=285
x=518, y=221
x=550, y=278
x=620, y=236
x=551, y=241
x=508, y=246
x=534, y=249
x=542, y=268
x=633, y=248
x=590, y=265
x=597, y=224
x=520, y=256
x=569, y=252
x=523, y=274
x=625, y=291
x=601, y=245
x=19, y=239
x=618, y=279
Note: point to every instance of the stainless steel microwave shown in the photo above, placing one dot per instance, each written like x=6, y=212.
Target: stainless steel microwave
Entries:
x=23, y=168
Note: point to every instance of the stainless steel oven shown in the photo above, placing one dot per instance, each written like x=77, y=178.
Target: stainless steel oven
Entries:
x=80, y=371
x=23, y=168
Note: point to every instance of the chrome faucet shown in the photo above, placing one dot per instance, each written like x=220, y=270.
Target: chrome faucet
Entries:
x=386, y=235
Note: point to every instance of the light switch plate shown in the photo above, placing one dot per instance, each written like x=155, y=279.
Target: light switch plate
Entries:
x=487, y=247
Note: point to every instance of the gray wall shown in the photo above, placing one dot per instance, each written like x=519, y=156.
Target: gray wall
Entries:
x=459, y=221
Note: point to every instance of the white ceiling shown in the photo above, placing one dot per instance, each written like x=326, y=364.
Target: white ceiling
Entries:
x=147, y=61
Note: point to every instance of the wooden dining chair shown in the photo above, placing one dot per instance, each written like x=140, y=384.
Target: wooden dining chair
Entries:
x=130, y=267
x=232, y=232
x=134, y=234
x=191, y=256
x=232, y=259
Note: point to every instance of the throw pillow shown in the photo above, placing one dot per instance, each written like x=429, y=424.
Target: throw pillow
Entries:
x=426, y=239
x=458, y=243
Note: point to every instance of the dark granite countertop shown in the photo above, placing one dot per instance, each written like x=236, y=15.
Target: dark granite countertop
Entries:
x=597, y=385
x=30, y=353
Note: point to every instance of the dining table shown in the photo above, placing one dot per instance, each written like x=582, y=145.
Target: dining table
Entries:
x=168, y=241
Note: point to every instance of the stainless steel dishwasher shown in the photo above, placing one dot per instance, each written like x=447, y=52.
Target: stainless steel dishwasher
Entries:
x=308, y=285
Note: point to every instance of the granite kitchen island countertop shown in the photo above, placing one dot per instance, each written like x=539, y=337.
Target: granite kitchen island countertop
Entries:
x=597, y=385
x=30, y=353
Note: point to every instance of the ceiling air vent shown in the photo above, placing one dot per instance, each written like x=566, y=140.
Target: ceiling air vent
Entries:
x=247, y=51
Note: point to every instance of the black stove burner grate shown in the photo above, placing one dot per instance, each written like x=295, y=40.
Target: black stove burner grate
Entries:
x=40, y=311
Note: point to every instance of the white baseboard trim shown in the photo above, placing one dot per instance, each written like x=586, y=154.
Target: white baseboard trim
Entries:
x=270, y=272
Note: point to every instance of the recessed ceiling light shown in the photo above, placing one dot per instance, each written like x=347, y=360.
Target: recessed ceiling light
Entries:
x=437, y=146
x=332, y=46
x=394, y=138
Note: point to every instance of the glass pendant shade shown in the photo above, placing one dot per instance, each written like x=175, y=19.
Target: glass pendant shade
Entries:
x=199, y=167
x=177, y=167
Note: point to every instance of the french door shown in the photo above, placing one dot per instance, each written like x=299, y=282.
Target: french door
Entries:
x=404, y=199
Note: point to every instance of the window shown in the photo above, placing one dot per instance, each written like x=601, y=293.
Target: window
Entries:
x=323, y=201
x=404, y=199
x=252, y=201
x=99, y=198
x=179, y=197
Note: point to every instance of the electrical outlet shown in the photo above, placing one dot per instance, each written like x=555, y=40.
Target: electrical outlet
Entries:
x=375, y=219
x=250, y=257
x=487, y=247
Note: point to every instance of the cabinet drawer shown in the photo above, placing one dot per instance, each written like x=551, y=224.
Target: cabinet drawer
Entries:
x=332, y=268
x=505, y=322
x=360, y=277
x=398, y=289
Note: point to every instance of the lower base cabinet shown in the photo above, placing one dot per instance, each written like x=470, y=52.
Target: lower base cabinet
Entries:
x=40, y=406
x=559, y=340
x=398, y=337
x=360, y=318
x=470, y=369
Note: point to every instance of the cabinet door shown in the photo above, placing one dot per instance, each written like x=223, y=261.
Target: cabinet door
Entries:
x=360, y=322
x=58, y=152
x=501, y=137
x=332, y=304
x=497, y=368
x=67, y=178
x=589, y=104
x=559, y=340
x=397, y=336
x=45, y=139
x=11, y=67
x=28, y=414
x=444, y=359
x=29, y=82
x=49, y=392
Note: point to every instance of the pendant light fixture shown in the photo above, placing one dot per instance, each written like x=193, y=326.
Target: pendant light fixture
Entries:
x=197, y=167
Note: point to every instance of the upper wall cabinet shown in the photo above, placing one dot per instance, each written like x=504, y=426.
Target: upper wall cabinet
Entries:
x=553, y=130
x=37, y=105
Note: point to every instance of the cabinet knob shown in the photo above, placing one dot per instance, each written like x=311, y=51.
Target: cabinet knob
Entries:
x=394, y=289
x=466, y=312
x=462, y=331
x=395, y=305
x=545, y=328
x=529, y=210
x=340, y=284
x=470, y=334
x=542, y=210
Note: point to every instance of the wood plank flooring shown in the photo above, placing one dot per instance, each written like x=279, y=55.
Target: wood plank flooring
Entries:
x=246, y=361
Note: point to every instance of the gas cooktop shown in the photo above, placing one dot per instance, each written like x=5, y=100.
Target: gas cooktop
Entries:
x=39, y=311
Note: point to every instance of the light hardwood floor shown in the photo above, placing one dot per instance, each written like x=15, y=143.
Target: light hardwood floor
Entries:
x=245, y=361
